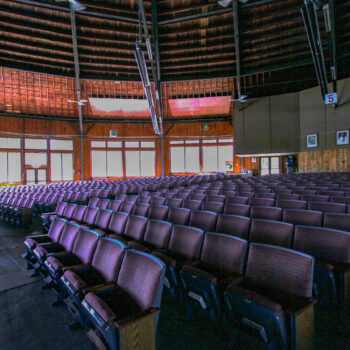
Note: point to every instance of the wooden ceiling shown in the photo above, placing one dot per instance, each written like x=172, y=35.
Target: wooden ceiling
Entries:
x=196, y=41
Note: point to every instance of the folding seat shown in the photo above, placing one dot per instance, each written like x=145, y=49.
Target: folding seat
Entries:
x=158, y=212
x=102, y=272
x=131, y=198
x=332, y=270
x=58, y=213
x=332, y=193
x=116, y=225
x=155, y=194
x=120, y=197
x=197, y=197
x=184, y=248
x=64, y=243
x=337, y=221
x=228, y=193
x=265, y=195
x=83, y=198
x=81, y=255
x=144, y=194
x=237, y=200
x=89, y=216
x=306, y=192
x=158, y=201
x=105, y=193
x=345, y=200
x=233, y=225
x=283, y=192
x=157, y=236
x=114, y=310
x=213, y=192
x=262, y=202
x=274, y=300
x=268, y=213
x=237, y=209
x=23, y=216
x=126, y=207
x=293, y=196
x=168, y=195
x=216, y=207
x=143, y=199
x=140, y=209
x=103, y=203
x=114, y=205
x=221, y=262
x=75, y=197
x=327, y=207
x=179, y=216
x=134, y=229
x=290, y=204
x=205, y=220
x=93, y=202
x=78, y=214
x=96, y=193
x=183, y=196
x=271, y=232
x=216, y=198
x=52, y=236
x=191, y=204
x=101, y=222
x=245, y=194
x=302, y=217
x=174, y=202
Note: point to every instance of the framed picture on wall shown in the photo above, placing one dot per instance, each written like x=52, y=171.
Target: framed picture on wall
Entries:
x=343, y=137
x=311, y=140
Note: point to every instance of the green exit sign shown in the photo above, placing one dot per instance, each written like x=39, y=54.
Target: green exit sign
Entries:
x=205, y=126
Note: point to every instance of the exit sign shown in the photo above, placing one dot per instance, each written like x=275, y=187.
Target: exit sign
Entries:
x=331, y=98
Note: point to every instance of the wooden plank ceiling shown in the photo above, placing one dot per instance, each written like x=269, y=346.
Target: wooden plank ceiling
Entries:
x=196, y=42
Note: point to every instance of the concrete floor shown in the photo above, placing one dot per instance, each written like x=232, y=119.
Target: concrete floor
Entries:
x=28, y=322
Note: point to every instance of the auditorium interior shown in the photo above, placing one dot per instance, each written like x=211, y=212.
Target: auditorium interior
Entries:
x=174, y=174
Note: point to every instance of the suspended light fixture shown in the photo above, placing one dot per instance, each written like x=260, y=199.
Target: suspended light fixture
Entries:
x=75, y=4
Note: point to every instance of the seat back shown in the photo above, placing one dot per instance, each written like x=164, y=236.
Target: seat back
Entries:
x=158, y=201
x=90, y=215
x=271, y=232
x=60, y=208
x=233, y=225
x=103, y=203
x=291, y=204
x=174, y=202
x=268, y=213
x=237, y=209
x=279, y=269
x=126, y=207
x=102, y=219
x=56, y=229
x=68, y=236
x=141, y=275
x=198, y=197
x=237, y=200
x=69, y=211
x=216, y=207
x=120, y=197
x=302, y=217
x=337, y=221
x=323, y=243
x=289, y=196
x=216, y=198
x=79, y=213
x=135, y=227
x=191, y=204
x=179, y=216
x=131, y=198
x=118, y=222
x=93, y=202
x=158, y=233
x=315, y=198
x=85, y=245
x=108, y=257
x=144, y=199
x=140, y=209
x=224, y=255
x=114, y=205
x=158, y=212
x=262, y=202
x=186, y=242
x=328, y=207
x=205, y=220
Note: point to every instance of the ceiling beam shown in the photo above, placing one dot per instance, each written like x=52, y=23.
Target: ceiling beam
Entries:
x=237, y=46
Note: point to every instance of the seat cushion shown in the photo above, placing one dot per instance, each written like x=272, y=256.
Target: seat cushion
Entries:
x=59, y=262
x=137, y=246
x=84, y=278
x=40, y=251
x=202, y=274
x=168, y=260
x=113, y=306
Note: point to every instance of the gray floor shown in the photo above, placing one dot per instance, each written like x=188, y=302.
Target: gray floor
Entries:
x=28, y=322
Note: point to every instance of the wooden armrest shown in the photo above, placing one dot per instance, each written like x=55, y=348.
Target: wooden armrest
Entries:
x=299, y=309
x=76, y=267
x=133, y=319
x=100, y=288
x=60, y=254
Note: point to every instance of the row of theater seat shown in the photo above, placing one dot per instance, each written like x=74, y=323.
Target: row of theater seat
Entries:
x=219, y=261
x=104, y=284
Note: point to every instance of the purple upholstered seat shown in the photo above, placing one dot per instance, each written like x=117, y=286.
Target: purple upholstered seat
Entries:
x=302, y=217
x=205, y=220
x=179, y=216
x=268, y=213
x=233, y=225
x=237, y=209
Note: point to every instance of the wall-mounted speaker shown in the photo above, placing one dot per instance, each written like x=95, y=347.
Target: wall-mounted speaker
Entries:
x=113, y=133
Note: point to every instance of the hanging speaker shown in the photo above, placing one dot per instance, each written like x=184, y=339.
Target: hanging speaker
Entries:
x=113, y=133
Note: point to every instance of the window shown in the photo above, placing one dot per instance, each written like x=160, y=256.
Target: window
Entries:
x=114, y=144
x=106, y=164
x=265, y=166
x=147, y=144
x=10, y=165
x=275, y=165
x=14, y=143
x=35, y=144
x=98, y=144
x=225, y=153
x=61, y=145
x=35, y=159
x=184, y=159
x=214, y=157
x=131, y=145
x=61, y=167
x=140, y=163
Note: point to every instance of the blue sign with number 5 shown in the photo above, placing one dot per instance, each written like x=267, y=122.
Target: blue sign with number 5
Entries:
x=331, y=98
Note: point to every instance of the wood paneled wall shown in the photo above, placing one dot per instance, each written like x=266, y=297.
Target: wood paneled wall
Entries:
x=325, y=160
